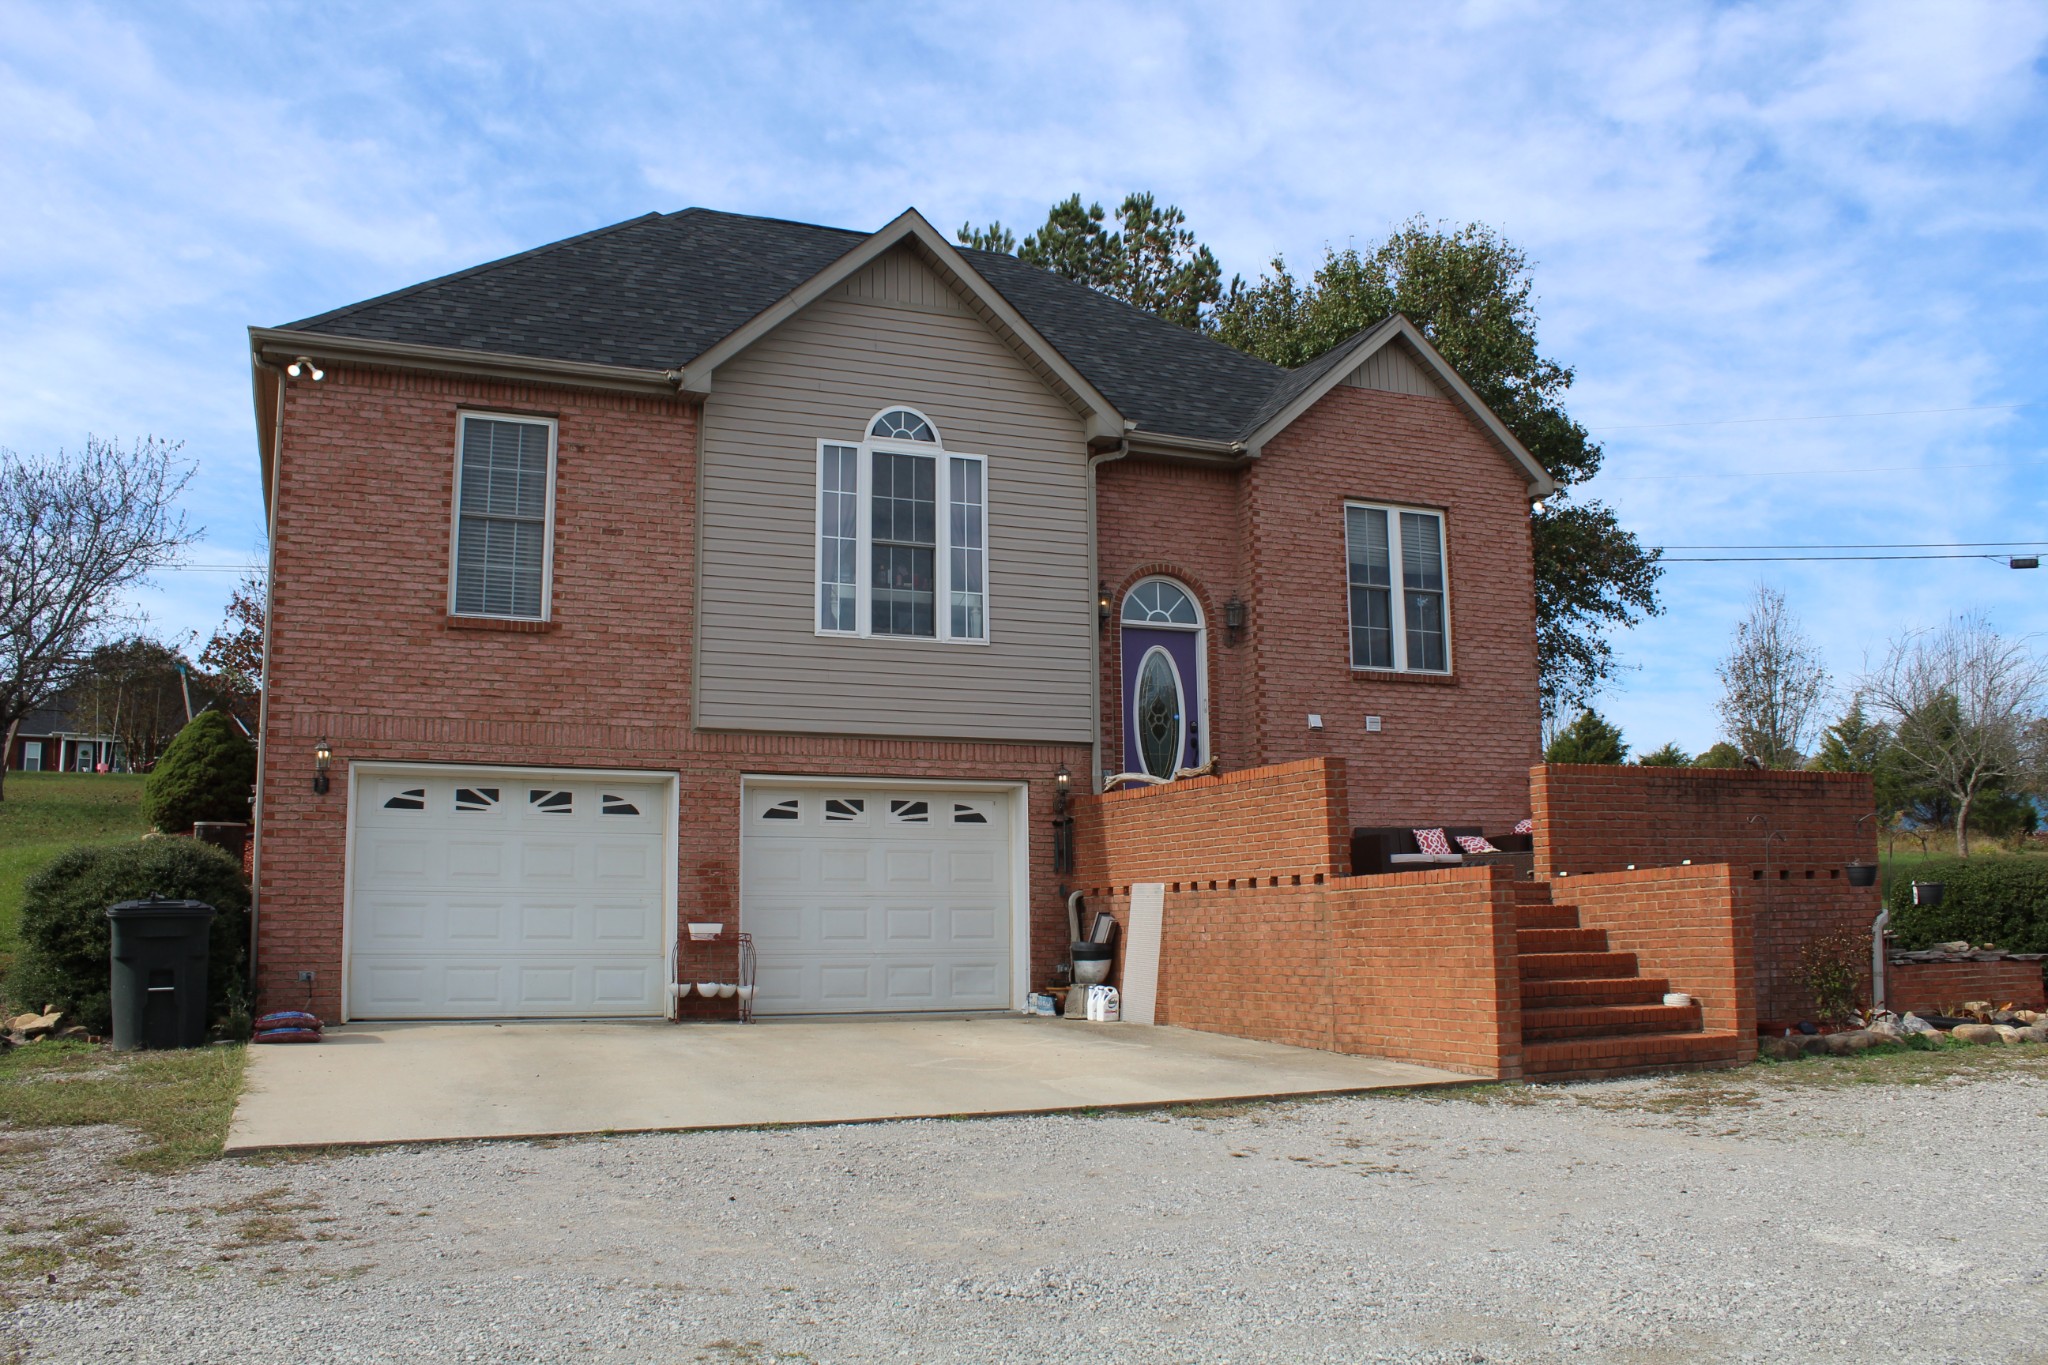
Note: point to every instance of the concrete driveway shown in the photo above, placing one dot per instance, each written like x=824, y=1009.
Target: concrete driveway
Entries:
x=379, y=1083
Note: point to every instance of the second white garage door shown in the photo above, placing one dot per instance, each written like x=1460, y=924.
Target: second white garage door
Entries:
x=873, y=899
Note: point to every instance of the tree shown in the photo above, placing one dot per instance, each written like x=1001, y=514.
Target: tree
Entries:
x=1772, y=683
x=1670, y=756
x=1966, y=710
x=1858, y=744
x=1721, y=755
x=1151, y=262
x=75, y=530
x=233, y=658
x=1471, y=293
x=132, y=688
x=1588, y=739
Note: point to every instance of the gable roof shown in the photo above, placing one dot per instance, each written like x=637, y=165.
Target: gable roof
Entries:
x=663, y=298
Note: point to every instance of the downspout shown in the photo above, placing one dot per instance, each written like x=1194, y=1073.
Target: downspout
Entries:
x=263, y=697
x=1877, y=927
x=1123, y=448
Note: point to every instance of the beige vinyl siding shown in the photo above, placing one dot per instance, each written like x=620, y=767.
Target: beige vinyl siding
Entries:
x=1391, y=368
x=895, y=334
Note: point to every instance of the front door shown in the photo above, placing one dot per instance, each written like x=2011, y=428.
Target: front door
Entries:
x=1162, y=679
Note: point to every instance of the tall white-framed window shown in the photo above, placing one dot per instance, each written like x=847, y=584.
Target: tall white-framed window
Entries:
x=1398, y=598
x=902, y=534
x=503, y=537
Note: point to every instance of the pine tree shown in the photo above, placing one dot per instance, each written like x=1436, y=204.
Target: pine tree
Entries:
x=1588, y=739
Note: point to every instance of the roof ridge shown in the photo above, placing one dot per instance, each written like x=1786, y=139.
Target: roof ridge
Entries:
x=761, y=218
x=335, y=313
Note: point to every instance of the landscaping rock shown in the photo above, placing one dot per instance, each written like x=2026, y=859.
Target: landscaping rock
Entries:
x=1887, y=1028
x=1913, y=1023
x=1781, y=1049
x=2007, y=1033
x=1812, y=1044
x=75, y=1034
x=34, y=1026
x=2037, y=1033
x=1980, y=1008
x=1982, y=1034
x=20, y=1022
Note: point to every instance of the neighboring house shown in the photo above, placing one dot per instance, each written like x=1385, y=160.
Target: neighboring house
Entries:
x=715, y=568
x=55, y=739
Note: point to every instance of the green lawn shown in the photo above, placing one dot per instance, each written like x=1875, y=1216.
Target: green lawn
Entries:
x=180, y=1102
x=44, y=814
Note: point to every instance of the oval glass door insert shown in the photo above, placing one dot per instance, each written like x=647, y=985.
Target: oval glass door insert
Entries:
x=1162, y=724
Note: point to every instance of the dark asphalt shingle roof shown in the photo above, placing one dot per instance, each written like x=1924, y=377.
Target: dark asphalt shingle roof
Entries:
x=657, y=291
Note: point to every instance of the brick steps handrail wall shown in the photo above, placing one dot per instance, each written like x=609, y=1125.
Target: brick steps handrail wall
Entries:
x=1684, y=924
x=1789, y=865
x=1275, y=825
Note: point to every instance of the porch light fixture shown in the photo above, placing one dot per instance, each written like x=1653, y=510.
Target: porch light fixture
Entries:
x=304, y=364
x=1233, y=618
x=322, y=756
x=1062, y=823
x=1102, y=604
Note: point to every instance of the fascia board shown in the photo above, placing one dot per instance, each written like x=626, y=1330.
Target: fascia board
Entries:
x=910, y=227
x=280, y=345
x=1373, y=340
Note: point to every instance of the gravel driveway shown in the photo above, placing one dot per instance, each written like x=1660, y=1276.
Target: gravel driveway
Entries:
x=1737, y=1217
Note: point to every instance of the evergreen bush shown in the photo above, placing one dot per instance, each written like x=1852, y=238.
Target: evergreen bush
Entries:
x=2002, y=901
x=205, y=774
x=66, y=938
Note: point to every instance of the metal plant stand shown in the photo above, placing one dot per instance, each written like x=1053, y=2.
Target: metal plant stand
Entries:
x=725, y=962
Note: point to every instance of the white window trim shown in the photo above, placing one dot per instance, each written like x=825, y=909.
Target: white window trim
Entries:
x=863, y=551
x=547, y=550
x=1399, y=588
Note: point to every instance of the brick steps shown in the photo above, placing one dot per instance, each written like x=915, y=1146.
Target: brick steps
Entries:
x=1588, y=1013
x=1600, y=1021
x=1629, y=1054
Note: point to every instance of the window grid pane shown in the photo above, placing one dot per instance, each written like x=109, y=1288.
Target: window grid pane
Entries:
x=501, y=533
x=904, y=531
x=839, y=537
x=1422, y=584
x=1371, y=582
x=967, y=552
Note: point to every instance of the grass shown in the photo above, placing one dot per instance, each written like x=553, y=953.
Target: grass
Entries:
x=46, y=813
x=180, y=1102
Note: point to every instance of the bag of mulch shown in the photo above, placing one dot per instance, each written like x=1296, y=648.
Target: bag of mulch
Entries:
x=288, y=1035
x=289, y=1019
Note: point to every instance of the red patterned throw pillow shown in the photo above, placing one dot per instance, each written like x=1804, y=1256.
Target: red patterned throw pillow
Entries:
x=1475, y=843
x=1433, y=841
x=1526, y=826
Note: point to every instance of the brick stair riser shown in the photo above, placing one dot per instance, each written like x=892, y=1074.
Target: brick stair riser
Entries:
x=1529, y=942
x=1614, y=990
x=1552, y=1025
x=1543, y=966
x=1546, y=917
x=1581, y=1058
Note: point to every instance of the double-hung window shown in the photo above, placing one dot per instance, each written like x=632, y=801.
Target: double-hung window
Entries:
x=504, y=513
x=1396, y=580
x=902, y=535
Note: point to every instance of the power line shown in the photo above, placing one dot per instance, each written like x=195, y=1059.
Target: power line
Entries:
x=1822, y=559
x=1726, y=475
x=1881, y=545
x=1813, y=417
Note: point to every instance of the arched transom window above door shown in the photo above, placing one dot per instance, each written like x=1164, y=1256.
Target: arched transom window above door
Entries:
x=1157, y=602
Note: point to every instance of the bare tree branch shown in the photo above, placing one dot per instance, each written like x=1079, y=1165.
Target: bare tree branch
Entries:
x=1772, y=683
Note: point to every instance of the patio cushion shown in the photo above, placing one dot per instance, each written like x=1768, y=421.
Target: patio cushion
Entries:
x=1432, y=841
x=1475, y=843
x=1526, y=825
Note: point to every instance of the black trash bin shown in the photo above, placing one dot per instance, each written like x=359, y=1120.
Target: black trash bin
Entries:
x=160, y=951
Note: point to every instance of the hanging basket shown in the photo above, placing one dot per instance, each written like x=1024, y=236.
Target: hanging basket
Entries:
x=1862, y=874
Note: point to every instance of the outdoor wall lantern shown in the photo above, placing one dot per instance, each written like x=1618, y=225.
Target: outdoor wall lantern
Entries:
x=1233, y=618
x=1102, y=604
x=322, y=756
x=304, y=365
x=1062, y=823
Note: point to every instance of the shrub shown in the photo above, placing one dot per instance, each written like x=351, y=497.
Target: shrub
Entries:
x=204, y=774
x=1987, y=900
x=1829, y=967
x=65, y=937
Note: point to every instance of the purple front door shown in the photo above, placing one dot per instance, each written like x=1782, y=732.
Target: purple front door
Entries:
x=1162, y=701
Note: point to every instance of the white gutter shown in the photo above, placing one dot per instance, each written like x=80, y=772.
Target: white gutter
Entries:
x=1877, y=955
x=263, y=696
x=1097, y=628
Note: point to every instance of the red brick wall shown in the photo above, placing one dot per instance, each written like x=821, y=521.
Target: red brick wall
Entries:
x=1689, y=925
x=1601, y=819
x=1932, y=986
x=1418, y=966
x=363, y=653
x=1452, y=750
x=1281, y=825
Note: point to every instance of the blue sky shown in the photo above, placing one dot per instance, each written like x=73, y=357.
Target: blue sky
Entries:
x=1753, y=225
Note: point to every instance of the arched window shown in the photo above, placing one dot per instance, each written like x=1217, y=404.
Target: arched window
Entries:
x=1157, y=602
x=902, y=534
x=901, y=424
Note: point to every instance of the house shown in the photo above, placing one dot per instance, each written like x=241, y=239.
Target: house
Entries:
x=55, y=738
x=709, y=568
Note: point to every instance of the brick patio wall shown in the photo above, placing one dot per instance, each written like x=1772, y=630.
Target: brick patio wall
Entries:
x=1595, y=819
x=1283, y=824
x=1417, y=966
x=1689, y=925
x=1932, y=986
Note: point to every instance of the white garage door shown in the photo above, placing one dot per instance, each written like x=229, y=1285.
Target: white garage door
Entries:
x=872, y=899
x=511, y=895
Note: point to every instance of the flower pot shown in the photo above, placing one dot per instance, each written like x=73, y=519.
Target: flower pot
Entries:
x=1928, y=893
x=1862, y=874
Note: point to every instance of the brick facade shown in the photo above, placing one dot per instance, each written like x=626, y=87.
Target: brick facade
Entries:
x=1452, y=750
x=1931, y=987
x=1684, y=924
x=1789, y=836
x=364, y=654
x=1278, y=825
